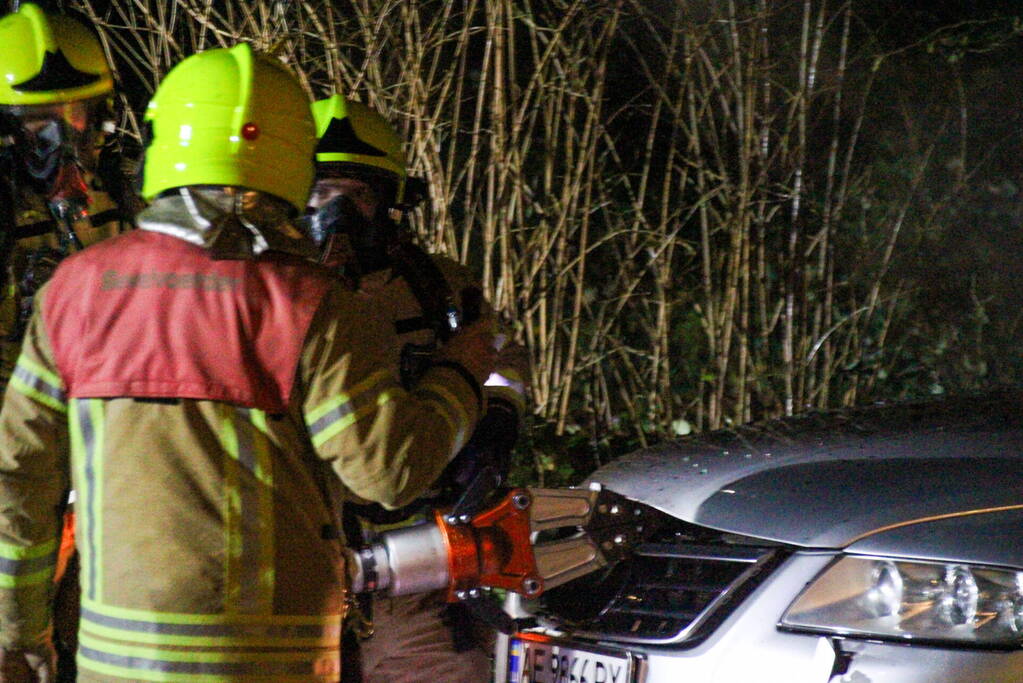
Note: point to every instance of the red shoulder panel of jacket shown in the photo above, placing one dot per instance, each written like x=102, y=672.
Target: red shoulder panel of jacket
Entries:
x=151, y=316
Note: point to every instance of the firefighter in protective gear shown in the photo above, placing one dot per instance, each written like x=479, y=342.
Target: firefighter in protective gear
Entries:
x=215, y=397
x=55, y=87
x=361, y=183
x=55, y=84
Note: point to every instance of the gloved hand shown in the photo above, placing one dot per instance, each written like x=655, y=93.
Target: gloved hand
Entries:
x=483, y=464
x=490, y=446
x=510, y=379
x=514, y=359
x=473, y=348
x=36, y=665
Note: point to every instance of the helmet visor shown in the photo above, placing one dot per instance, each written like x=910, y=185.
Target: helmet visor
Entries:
x=77, y=116
x=384, y=183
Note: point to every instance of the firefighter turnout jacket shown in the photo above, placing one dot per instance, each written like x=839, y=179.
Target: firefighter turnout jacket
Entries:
x=210, y=415
x=419, y=637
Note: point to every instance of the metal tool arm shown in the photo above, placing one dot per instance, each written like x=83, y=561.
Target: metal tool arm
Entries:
x=532, y=540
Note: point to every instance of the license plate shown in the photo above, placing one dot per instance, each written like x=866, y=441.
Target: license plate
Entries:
x=536, y=659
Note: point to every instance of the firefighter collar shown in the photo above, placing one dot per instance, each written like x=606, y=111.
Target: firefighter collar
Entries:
x=232, y=225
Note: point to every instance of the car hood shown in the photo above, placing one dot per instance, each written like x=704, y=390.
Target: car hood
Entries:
x=867, y=478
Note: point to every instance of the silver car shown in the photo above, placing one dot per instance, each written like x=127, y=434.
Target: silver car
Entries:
x=877, y=545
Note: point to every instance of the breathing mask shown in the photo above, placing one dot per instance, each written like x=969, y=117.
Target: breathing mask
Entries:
x=55, y=145
x=347, y=239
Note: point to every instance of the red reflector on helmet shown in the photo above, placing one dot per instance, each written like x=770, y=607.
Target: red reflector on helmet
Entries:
x=250, y=131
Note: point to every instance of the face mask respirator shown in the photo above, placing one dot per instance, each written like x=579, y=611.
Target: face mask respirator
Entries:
x=347, y=239
x=53, y=146
x=52, y=139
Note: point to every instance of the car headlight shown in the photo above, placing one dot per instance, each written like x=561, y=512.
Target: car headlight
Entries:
x=929, y=601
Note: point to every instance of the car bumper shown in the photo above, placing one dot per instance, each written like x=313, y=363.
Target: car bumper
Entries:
x=748, y=646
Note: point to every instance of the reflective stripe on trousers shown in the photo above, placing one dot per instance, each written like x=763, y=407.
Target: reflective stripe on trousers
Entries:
x=163, y=646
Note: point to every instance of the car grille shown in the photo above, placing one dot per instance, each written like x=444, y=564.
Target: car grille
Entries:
x=669, y=592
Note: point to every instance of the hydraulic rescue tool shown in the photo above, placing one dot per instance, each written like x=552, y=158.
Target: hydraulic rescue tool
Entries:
x=532, y=540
